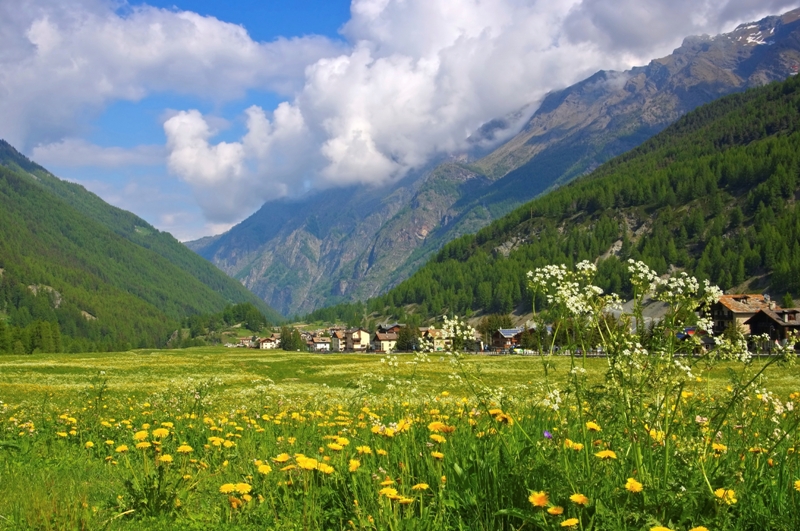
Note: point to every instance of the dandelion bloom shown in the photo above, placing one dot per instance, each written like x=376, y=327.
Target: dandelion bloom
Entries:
x=437, y=455
x=719, y=448
x=325, y=469
x=633, y=486
x=61, y=433
x=109, y=442
x=307, y=463
x=538, y=499
x=122, y=448
x=281, y=458
x=699, y=528
x=555, y=511
x=437, y=426
x=166, y=458
x=342, y=441
x=89, y=444
x=660, y=528
x=143, y=445
x=229, y=444
x=606, y=454
x=389, y=492
x=242, y=488
x=335, y=447
x=438, y=438
x=420, y=486
x=387, y=481
x=354, y=464
x=727, y=496
x=405, y=501
x=227, y=488
x=364, y=449
x=160, y=433
x=185, y=449
x=570, y=522
x=140, y=435
x=797, y=485
x=264, y=469
x=593, y=426
x=579, y=498
x=382, y=452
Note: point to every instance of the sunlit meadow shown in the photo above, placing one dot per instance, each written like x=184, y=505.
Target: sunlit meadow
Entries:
x=660, y=434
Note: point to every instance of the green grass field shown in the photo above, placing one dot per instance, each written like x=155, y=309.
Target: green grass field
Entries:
x=345, y=437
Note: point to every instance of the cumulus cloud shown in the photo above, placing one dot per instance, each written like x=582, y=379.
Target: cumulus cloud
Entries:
x=413, y=79
x=61, y=63
x=76, y=152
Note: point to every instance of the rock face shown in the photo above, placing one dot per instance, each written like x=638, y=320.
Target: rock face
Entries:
x=350, y=244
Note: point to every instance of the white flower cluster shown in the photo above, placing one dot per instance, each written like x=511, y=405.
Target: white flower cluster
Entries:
x=390, y=361
x=644, y=279
x=456, y=328
x=552, y=400
x=572, y=290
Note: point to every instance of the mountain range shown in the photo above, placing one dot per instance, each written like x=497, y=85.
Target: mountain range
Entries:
x=355, y=243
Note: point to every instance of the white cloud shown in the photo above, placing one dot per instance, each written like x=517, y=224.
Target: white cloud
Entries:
x=415, y=79
x=76, y=152
x=61, y=63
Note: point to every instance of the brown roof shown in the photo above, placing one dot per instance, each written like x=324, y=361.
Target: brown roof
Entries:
x=389, y=336
x=778, y=316
x=744, y=303
x=338, y=334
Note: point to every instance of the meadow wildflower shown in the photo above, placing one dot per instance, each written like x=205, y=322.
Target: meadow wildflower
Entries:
x=89, y=444
x=264, y=469
x=141, y=435
x=420, y=486
x=726, y=496
x=593, y=426
x=555, y=510
x=281, y=458
x=699, y=528
x=160, y=433
x=633, y=486
x=325, y=468
x=381, y=452
x=797, y=485
x=185, y=449
x=389, y=492
x=166, y=458
x=579, y=499
x=227, y=488
x=438, y=438
x=364, y=449
x=437, y=455
x=143, y=445
x=354, y=465
x=122, y=448
x=606, y=454
x=570, y=522
x=539, y=498
x=242, y=488
x=660, y=528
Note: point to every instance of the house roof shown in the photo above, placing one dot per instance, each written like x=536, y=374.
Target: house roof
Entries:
x=388, y=336
x=338, y=334
x=510, y=332
x=743, y=303
x=779, y=316
x=322, y=340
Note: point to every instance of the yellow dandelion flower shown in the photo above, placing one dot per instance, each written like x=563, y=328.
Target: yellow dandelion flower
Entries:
x=726, y=496
x=606, y=454
x=166, y=458
x=109, y=442
x=281, y=458
x=438, y=438
x=405, y=501
x=699, y=528
x=122, y=448
x=555, y=511
x=185, y=449
x=160, y=433
x=364, y=449
x=389, y=492
x=437, y=455
x=325, y=469
x=342, y=441
x=719, y=448
x=381, y=452
x=61, y=433
x=140, y=435
x=229, y=444
x=89, y=444
x=247, y=498
x=227, y=488
x=797, y=485
x=242, y=488
x=570, y=522
x=335, y=447
x=660, y=528
x=387, y=481
x=633, y=486
x=264, y=469
x=288, y=468
x=354, y=464
x=437, y=426
x=579, y=498
x=143, y=445
x=420, y=486
x=539, y=499
x=307, y=463
x=593, y=426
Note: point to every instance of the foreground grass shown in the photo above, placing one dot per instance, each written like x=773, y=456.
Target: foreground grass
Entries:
x=276, y=440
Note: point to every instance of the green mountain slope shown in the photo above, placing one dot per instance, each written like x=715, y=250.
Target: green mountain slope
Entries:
x=714, y=194
x=135, y=230
x=69, y=282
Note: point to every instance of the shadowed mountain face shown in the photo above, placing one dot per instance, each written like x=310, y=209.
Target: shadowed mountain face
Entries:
x=351, y=244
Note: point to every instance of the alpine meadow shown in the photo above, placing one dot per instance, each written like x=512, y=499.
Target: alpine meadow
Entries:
x=427, y=278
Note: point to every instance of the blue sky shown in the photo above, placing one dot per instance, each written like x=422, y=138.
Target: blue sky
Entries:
x=192, y=114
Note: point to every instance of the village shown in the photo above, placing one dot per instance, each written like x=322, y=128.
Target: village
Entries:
x=752, y=315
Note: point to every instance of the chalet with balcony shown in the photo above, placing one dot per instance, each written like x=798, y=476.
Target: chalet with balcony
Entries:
x=384, y=341
x=777, y=324
x=357, y=340
x=739, y=309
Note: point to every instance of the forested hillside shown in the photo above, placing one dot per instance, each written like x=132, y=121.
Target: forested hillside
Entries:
x=68, y=282
x=133, y=228
x=714, y=194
